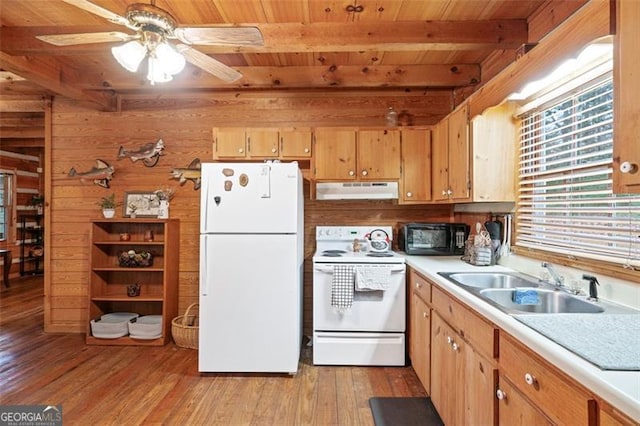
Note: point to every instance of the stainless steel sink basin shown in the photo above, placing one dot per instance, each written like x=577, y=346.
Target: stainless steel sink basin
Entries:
x=549, y=302
x=484, y=280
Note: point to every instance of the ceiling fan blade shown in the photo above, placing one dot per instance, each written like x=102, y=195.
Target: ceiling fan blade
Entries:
x=100, y=11
x=230, y=36
x=208, y=64
x=85, y=38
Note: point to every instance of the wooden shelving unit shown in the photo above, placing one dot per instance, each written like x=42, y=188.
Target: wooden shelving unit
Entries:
x=158, y=282
x=30, y=235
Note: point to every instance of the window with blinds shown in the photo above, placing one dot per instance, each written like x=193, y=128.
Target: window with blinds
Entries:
x=565, y=203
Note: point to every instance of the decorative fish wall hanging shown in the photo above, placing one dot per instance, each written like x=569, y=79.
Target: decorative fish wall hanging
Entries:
x=100, y=174
x=191, y=172
x=149, y=153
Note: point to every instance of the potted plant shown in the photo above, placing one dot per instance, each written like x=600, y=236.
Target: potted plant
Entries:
x=164, y=195
x=38, y=202
x=108, y=204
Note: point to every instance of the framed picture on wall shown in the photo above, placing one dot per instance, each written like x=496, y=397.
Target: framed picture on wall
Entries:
x=140, y=204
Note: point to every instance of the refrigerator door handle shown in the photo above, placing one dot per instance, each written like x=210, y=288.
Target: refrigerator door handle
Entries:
x=204, y=271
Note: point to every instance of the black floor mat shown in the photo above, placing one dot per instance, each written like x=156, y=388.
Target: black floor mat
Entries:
x=404, y=411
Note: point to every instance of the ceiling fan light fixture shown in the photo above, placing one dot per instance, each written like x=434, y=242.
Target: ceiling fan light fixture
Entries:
x=129, y=55
x=169, y=59
x=156, y=72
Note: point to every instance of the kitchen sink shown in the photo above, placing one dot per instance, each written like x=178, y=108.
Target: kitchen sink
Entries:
x=486, y=280
x=548, y=301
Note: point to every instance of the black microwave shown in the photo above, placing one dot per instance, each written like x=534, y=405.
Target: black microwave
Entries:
x=433, y=239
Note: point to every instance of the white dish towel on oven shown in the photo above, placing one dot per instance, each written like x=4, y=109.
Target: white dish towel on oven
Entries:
x=372, y=277
x=342, y=288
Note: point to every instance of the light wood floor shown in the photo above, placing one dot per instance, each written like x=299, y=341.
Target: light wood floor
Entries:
x=161, y=385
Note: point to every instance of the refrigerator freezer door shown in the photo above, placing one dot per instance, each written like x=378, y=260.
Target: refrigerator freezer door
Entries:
x=250, y=198
x=250, y=303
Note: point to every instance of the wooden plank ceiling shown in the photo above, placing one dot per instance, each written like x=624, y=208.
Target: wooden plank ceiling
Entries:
x=308, y=44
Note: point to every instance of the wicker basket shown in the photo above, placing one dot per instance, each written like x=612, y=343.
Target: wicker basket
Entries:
x=184, y=328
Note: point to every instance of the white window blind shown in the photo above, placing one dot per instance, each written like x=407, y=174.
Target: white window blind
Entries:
x=565, y=201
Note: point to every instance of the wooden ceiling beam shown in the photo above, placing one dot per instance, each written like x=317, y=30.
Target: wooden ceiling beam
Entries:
x=317, y=37
x=51, y=74
x=319, y=77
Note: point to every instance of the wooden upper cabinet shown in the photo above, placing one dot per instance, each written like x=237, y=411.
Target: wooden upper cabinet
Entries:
x=378, y=154
x=262, y=143
x=229, y=142
x=459, y=179
x=415, y=185
x=494, y=136
x=626, y=83
x=440, y=161
x=295, y=143
x=335, y=154
x=349, y=154
x=450, y=154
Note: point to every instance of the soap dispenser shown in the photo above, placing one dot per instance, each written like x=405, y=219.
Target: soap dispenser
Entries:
x=593, y=282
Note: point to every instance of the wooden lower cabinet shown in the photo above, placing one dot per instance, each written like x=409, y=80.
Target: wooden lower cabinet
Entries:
x=462, y=380
x=481, y=375
x=556, y=395
x=447, y=373
x=420, y=340
x=610, y=419
x=514, y=409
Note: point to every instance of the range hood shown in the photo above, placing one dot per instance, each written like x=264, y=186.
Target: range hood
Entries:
x=357, y=191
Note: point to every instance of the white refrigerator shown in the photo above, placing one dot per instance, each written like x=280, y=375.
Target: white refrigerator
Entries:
x=251, y=266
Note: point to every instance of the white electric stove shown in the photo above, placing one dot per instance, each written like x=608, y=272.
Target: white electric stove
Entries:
x=368, y=329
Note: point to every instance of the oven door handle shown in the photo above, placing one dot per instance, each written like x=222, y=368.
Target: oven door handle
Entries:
x=329, y=269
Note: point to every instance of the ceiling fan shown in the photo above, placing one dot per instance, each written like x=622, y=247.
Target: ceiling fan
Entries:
x=153, y=28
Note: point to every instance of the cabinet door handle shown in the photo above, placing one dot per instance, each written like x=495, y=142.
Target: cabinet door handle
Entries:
x=628, y=167
x=409, y=195
x=364, y=173
x=449, y=340
x=241, y=150
x=418, y=285
x=455, y=347
x=530, y=379
x=351, y=173
x=425, y=315
x=501, y=395
x=273, y=150
x=306, y=150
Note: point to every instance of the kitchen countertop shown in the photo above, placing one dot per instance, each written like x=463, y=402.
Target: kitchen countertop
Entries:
x=619, y=388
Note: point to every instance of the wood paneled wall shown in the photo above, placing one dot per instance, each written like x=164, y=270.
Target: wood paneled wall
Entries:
x=80, y=136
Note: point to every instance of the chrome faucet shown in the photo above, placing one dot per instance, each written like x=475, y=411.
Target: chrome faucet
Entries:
x=557, y=279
